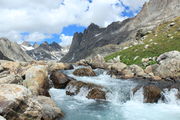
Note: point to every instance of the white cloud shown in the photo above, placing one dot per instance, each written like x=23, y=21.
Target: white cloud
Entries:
x=65, y=40
x=13, y=35
x=41, y=17
x=36, y=37
x=134, y=5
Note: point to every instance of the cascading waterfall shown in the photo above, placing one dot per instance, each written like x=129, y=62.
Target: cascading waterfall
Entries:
x=121, y=104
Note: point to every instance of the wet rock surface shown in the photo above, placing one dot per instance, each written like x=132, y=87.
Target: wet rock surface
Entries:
x=59, y=79
x=84, y=72
x=94, y=91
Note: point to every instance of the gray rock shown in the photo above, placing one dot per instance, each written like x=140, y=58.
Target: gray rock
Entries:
x=169, y=65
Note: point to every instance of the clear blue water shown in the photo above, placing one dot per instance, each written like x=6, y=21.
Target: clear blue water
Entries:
x=120, y=104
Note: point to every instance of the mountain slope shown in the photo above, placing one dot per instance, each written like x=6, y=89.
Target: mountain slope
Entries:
x=153, y=13
x=2, y=57
x=165, y=38
x=11, y=50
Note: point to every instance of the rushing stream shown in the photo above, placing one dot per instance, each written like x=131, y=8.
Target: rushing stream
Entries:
x=120, y=103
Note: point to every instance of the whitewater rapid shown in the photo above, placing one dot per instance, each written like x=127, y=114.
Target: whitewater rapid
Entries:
x=121, y=104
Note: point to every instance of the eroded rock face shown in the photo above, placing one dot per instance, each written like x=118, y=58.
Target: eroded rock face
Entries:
x=37, y=80
x=60, y=80
x=84, y=72
x=93, y=91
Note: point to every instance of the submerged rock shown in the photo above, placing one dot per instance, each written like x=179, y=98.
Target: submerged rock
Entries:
x=93, y=91
x=60, y=80
x=151, y=94
x=96, y=93
x=84, y=72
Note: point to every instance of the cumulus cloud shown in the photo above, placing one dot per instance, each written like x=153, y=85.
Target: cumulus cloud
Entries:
x=41, y=17
x=36, y=36
x=66, y=40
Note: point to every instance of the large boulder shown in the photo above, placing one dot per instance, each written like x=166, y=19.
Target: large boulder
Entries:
x=93, y=91
x=59, y=79
x=84, y=72
x=18, y=103
x=36, y=79
x=169, y=65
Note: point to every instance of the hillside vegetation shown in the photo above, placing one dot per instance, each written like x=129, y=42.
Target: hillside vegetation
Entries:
x=164, y=38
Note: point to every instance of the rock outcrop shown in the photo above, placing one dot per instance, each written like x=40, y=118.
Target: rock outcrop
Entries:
x=153, y=13
x=12, y=51
x=36, y=79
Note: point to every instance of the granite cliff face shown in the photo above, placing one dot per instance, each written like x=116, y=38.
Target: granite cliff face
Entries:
x=11, y=50
x=152, y=14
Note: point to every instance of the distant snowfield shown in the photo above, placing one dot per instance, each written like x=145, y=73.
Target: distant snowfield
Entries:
x=26, y=48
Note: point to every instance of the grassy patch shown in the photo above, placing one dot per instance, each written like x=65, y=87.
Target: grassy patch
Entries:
x=163, y=39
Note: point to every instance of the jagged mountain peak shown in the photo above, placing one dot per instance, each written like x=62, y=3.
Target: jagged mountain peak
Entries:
x=26, y=43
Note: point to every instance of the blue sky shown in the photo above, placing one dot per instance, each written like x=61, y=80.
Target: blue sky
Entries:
x=58, y=20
